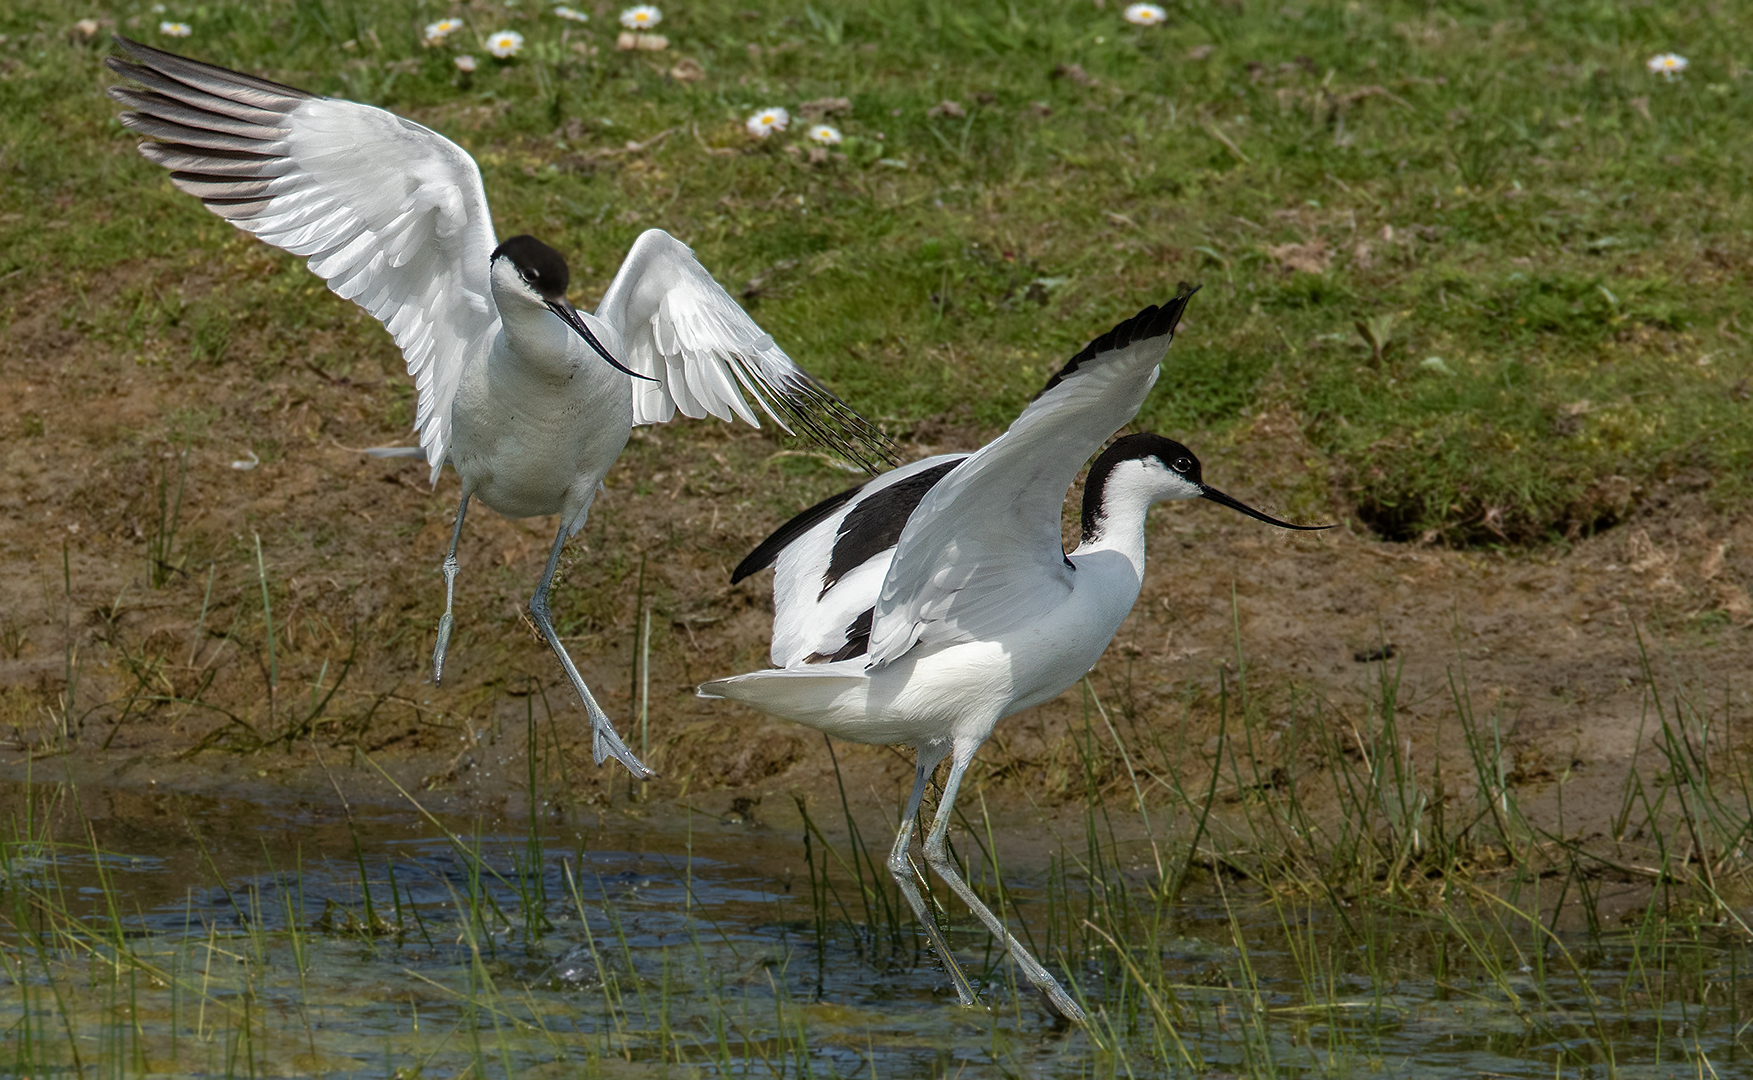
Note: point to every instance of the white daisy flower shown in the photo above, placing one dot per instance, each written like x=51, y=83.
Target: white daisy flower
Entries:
x=1145, y=14
x=1667, y=64
x=766, y=121
x=643, y=17
x=565, y=12
x=443, y=28
x=465, y=63
x=505, y=44
x=181, y=29
x=825, y=135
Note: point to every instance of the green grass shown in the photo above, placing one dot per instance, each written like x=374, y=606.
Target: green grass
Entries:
x=1502, y=187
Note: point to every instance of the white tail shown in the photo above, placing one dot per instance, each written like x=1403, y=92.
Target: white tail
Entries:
x=797, y=693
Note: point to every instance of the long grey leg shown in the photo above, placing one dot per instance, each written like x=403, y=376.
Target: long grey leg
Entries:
x=450, y=590
x=605, y=743
x=937, y=857
x=901, y=869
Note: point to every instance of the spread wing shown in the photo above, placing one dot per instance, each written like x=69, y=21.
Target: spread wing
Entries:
x=982, y=551
x=391, y=214
x=680, y=329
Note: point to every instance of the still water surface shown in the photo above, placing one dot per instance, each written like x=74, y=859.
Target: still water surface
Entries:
x=177, y=936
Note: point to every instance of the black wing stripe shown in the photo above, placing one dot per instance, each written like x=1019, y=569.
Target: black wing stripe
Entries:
x=765, y=555
x=857, y=641
x=222, y=128
x=1152, y=322
x=875, y=524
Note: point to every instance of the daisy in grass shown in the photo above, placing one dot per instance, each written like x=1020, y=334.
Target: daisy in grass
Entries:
x=643, y=17
x=1667, y=64
x=465, y=63
x=825, y=135
x=565, y=12
x=183, y=29
x=766, y=121
x=443, y=28
x=505, y=44
x=1145, y=14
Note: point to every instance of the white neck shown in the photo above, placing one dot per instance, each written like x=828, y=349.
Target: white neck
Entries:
x=1126, y=494
x=542, y=341
x=1120, y=527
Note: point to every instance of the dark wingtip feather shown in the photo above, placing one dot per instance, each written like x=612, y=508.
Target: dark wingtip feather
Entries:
x=194, y=71
x=1150, y=323
x=810, y=409
x=766, y=554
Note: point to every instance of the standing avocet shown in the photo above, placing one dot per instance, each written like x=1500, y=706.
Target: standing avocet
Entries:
x=930, y=603
x=529, y=399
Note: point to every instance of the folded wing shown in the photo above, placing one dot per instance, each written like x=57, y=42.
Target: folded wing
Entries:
x=829, y=562
x=391, y=214
x=706, y=357
x=982, y=551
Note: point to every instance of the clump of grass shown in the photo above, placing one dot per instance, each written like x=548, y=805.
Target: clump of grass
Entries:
x=161, y=541
x=1229, y=917
x=1397, y=882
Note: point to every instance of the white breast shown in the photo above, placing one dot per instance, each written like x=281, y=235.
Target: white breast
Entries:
x=535, y=439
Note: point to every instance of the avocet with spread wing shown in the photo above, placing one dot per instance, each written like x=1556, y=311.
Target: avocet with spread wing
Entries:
x=529, y=399
x=921, y=608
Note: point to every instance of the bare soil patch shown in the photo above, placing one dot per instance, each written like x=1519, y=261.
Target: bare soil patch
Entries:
x=174, y=682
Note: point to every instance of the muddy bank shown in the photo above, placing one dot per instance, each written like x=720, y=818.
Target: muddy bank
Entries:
x=167, y=667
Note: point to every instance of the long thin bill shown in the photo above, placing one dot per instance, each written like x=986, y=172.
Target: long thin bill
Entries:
x=569, y=315
x=1221, y=499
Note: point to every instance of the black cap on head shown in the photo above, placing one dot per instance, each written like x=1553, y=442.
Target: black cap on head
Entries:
x=540, y=265
x=1172, y=454
x=1137, y=447
x=545, y=271
x=1174, y=457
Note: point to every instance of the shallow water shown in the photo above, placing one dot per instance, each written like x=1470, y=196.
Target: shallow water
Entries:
x=168, y=935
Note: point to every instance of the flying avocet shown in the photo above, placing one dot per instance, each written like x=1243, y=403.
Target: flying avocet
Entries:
x=529, y=399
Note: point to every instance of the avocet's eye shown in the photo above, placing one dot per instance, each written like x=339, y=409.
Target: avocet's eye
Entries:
x=528, y=275
x=1182, y=464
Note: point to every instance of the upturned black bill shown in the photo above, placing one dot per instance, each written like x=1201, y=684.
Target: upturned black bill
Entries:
x=569, y=315
x=1221, y=499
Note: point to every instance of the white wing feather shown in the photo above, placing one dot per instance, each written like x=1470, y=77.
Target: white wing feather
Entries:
x=982, y=552
x=391, y=214
x=680, y=328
